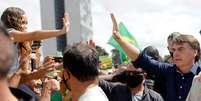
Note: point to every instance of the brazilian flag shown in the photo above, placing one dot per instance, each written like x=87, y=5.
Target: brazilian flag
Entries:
x=126, y=36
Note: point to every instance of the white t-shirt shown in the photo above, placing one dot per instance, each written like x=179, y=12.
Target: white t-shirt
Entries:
x=16, y=64
x=93, y=94
x=195, y=91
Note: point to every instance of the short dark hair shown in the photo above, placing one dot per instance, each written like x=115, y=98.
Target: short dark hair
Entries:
x=192, y=41
x=152, y=52
x=81, y=61
x=12, y=18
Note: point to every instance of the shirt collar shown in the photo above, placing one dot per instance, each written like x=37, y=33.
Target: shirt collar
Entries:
x=193, y=69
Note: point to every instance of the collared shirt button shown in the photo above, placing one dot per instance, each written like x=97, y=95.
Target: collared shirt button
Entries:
x=183, y=78
x=180, y=86
x=179, y=97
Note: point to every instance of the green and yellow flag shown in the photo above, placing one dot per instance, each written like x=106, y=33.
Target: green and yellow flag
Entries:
x=127, y=36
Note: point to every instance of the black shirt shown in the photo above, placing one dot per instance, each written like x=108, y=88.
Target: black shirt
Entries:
x=120, y=92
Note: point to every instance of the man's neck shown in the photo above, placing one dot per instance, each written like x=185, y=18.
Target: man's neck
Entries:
x=5, y=93
x=137, y=89
x=80, y=87
x=185, y=69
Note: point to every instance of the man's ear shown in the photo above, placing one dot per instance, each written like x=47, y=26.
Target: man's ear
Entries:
x=196, y=53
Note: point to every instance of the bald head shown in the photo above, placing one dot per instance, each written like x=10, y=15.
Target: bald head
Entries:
x=6, y=52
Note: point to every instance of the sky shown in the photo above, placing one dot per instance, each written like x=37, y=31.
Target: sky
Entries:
x=31, y=7
x=150, y=21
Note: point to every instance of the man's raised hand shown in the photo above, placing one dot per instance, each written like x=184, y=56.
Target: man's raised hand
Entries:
x=115, y=30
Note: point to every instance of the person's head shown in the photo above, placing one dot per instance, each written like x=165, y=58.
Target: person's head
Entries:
x=80, y=62
x=135, y=77
x=6, y=52
x=152, y=52
x=170, y=39
x=14, y=17
x=186, y=50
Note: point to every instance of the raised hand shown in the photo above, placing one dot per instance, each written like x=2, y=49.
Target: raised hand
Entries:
x=128, y=48
x=115, y=30
x=91, y=43
x=48, y=58
x=50, y=65
x=52, y=85
x=66, y=23
x=41, y=72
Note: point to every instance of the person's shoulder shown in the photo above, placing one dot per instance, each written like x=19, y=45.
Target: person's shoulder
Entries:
x=154, y=95
x=120, y=88
x=120, y=85
x=94, y=94
x=104, y=83
x=197, y=79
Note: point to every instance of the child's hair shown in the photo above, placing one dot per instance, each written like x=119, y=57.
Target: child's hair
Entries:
x=12, y=18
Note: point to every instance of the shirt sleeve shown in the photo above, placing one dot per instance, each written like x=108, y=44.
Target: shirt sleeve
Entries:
x=150, y=65
x=120, y=77
x=106, y=87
